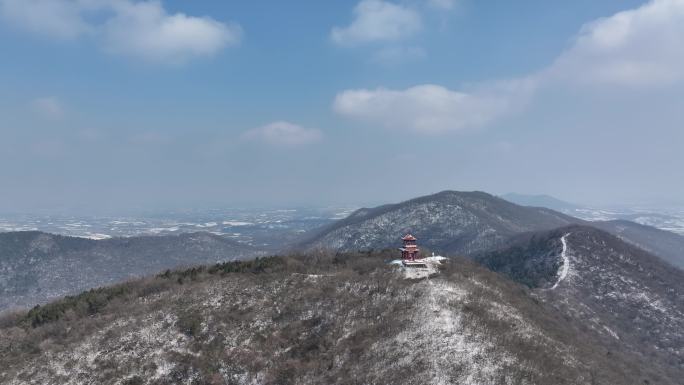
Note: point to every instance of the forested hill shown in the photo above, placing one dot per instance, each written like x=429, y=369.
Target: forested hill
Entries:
x=628, y=297
x=448, y=222
x=468, y=223
x=36, y=267
x=312, y=319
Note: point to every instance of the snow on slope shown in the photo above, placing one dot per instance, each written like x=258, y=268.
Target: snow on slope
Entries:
x=459, y=223
x=566, y=261
x=439, y=331
x=623, y=293
x=332, y=326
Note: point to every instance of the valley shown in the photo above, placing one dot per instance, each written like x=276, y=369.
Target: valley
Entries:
x=267, y=228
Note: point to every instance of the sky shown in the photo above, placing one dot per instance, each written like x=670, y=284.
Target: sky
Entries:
x=108, y=105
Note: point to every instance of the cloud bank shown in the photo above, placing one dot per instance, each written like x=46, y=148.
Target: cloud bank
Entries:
x=640, y=47
x=143, y=30
x=636, y=48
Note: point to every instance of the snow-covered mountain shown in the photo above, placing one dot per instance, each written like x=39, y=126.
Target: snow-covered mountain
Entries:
x=449, y=221
x=467, y=223
x=314, y=319
x=561, y=303
x=35, y=267
x=626, y=296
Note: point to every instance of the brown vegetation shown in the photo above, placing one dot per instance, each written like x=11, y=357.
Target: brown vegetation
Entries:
x=322, y=318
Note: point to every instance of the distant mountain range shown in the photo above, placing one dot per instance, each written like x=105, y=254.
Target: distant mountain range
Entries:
x=467, y=223
x=36, y=267
x=542, y=298
x=671, y=220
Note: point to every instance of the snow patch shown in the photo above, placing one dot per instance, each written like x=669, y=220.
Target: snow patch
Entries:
x=237, y=223
x=432, y=267
x=94, y=236
x=439, y=329
x=566, y=262
x=611, y=332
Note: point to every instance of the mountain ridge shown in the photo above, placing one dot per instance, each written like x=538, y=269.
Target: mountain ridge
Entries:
x=628, y=296
x=316, y=318
x=471, y=222
x=665, y=244
x=478, y=211
x=566, y=305
x=37, y=266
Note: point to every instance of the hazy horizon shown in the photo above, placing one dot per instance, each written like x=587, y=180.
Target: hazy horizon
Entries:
x=152, y=210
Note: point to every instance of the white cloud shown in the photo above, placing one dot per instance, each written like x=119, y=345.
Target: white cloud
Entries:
x=377, y=21
x=139, y=29
x=283, y=134
x=639, y=47
x=636, y=48
x=147, y=31
x=426, y=108
x=48, y=107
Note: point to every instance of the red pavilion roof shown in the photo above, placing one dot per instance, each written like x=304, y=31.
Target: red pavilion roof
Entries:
x=408, y=237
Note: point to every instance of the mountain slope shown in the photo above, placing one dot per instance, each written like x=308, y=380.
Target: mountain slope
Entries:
x=449, y=221
x=467, y=223
x=665, y=244
x=624, y=294
x=342, y=319
x=36, y=267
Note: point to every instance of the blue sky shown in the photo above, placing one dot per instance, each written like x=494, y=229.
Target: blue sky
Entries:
x=110, y=104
